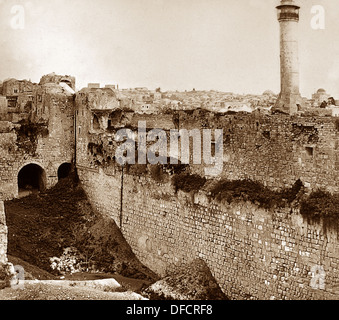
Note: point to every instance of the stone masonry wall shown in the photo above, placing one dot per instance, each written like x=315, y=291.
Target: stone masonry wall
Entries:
x=52, y=150
x=54, y=116
x=276, y=150
x=3, y=235
x=252, y=253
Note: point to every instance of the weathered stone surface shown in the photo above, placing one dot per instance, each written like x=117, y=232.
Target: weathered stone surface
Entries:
x=252, y=253
x=3, y=235
x=7, y=273
x=49, y=110
x=192, y=281
x=6, y=269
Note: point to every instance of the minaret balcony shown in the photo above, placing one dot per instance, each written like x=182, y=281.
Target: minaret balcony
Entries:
x=288, y=16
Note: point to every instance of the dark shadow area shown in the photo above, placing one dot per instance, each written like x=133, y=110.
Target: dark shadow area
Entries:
x=64, y=171
x=31, y=178
x=61, y=219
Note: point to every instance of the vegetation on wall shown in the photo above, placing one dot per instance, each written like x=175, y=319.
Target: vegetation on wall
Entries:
x=321, y=207
x=188, y=182
x=28, y=134
x=156, y=173
x=175, y=168
x=255, y=192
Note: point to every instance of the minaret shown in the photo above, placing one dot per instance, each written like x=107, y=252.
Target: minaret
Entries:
x=289, y=98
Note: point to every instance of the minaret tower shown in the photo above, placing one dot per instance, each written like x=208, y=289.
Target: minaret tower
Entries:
x=289, y=98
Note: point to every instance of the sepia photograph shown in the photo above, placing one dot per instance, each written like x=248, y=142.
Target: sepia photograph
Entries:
x=172, y=155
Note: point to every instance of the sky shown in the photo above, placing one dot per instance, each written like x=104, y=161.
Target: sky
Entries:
x=224, y=45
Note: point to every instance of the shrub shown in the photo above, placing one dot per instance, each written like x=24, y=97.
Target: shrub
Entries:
x=321, y=206
x=28, y=134
x=156, y=173
x=188, y=182
x=254, y=192
x=290, y=194
x=70, y=262
x=243, y=190
x=175, y=168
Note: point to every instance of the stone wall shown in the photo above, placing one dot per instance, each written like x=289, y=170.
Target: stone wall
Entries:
x=252, y=252
x=3, y=235
x=53, y=145
x=276, y=150
x=6, y=269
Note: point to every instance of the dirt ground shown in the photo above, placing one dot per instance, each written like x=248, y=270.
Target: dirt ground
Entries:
x=59, y=292
x=42, y=285
x=41, y=226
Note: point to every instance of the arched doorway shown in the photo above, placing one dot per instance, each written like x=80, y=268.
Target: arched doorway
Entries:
x=31, y=178
x=64, y=171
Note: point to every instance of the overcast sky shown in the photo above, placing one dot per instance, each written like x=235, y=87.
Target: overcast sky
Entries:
x=226, y=45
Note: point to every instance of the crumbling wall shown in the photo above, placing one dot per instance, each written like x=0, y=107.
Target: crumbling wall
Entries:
x=252, y=252
x=56, y=79
x=45, y=139
x=275, y=150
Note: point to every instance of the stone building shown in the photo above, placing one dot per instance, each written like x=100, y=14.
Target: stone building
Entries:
x=97, y=105
x=19, y=95
x=57, y=79
x=93, y=86
x=36, y=135
x=3, y=106
x=319, y=97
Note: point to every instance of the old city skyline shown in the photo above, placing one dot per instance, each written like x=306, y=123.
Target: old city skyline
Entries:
x=173, y=45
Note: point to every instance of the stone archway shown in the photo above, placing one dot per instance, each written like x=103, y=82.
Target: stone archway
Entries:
x=31, y=178
x=64, y=170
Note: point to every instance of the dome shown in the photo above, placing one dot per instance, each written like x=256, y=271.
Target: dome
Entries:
x=268, y=93
x=321, y=90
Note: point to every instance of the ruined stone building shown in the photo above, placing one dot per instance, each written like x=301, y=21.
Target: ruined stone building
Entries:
x=252, y=251
x=36, y=132
x=50, y=129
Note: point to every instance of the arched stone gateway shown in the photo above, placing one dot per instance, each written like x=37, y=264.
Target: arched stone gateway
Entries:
x=31, y=178
x=64, y=170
